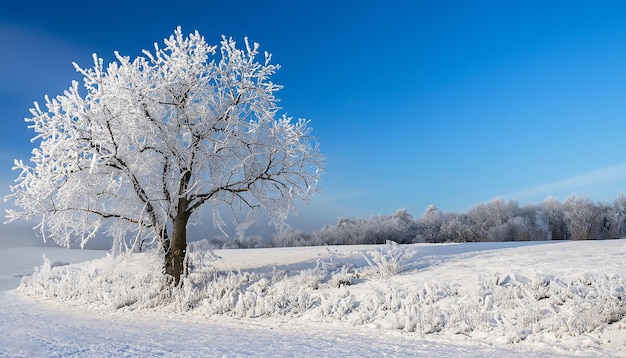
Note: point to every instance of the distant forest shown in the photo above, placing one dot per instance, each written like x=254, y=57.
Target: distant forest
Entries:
x=576, y=218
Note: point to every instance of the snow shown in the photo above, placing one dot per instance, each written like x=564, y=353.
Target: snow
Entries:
x=488, y=299
x=57, y=333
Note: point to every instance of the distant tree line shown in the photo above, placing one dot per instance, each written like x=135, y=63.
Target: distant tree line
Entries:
x=576, y=218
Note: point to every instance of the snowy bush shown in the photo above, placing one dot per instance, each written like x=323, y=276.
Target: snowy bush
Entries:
x=560, y=307
x=200, y=255
x=387, y=261
x=48, y=265
x=113, y=282
x=351, y=286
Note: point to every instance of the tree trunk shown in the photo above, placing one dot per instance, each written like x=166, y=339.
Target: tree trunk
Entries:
x=175, y=256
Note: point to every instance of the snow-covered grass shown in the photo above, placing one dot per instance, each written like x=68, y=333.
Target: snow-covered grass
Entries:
x=550, y=297
x=16, y=262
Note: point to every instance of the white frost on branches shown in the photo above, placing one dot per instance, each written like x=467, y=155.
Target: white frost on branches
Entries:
x=145, y=141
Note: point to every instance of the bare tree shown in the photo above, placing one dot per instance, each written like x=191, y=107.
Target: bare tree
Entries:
x=429, y=225
x=553, y=213
x=146, y=143
x=496, y=212
x=619, y=206
x=581, y=217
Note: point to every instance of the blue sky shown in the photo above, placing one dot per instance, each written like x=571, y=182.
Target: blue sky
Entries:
x=450, y=103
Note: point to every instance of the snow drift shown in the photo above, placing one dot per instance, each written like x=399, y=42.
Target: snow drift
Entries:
x=502, y=293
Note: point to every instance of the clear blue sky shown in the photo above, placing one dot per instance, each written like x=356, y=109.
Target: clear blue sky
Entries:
x=450, y=103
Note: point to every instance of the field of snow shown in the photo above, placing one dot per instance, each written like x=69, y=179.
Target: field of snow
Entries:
x=454, y=300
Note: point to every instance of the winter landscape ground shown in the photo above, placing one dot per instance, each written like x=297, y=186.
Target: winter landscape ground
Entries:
x=479, y=300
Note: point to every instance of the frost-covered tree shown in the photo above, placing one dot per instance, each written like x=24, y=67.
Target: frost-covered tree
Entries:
x=146, y=143
x=581, y=217
x=455, y=227
x=553, y=214
x=485, y=217
x=429, y=225
x=606, y=222
x=619, y=206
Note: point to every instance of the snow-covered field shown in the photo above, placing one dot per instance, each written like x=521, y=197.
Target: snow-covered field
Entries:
x=488, y=299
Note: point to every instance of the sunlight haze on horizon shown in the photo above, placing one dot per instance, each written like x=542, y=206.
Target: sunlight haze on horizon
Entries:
x=450, y=103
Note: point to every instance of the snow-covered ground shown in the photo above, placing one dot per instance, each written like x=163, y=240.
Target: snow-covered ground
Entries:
x=492, y=299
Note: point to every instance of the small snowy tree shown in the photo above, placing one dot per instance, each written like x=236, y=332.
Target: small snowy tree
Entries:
x=581, y=217
x=429, y=225
x=146, y=143
x=619, y=206
x=553, y=213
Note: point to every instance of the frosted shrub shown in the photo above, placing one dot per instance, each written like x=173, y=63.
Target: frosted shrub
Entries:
x=200, y=255
x=510, y=306
x=581, y=305
x=335, y=275
x=48, y=265
x=342, y=277
x=388, y=260
x=115, y=282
